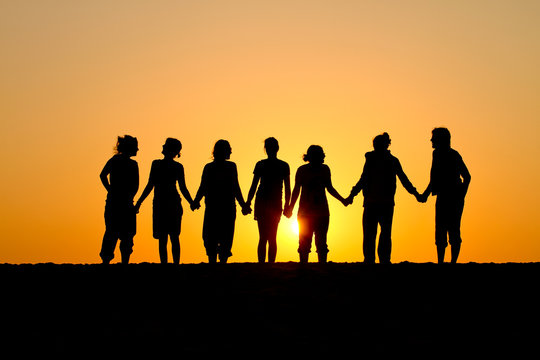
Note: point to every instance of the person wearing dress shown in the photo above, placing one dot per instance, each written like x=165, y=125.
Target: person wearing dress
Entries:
x=220, y=188
x=165, y=174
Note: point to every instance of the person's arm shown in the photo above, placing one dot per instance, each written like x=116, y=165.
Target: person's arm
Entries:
x=424, y=196
x=359, y=185
x=147, y=190
x=295, y=193
x=287, y=183
x=254, y=184
x=182, y=184
x=332, y=191
x=104, y=176
x=405, y=180
x=201, y=191
x=466, y=175
x=246, y=209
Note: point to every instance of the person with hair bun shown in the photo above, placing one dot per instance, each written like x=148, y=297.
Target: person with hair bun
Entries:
x=167, y=206
x=220, y=189
x=120, y=177
x=311, y=183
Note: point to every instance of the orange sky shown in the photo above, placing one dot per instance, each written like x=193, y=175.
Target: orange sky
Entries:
x=334, y=73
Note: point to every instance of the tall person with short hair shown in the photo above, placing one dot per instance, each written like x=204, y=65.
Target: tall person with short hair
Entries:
x=449, y=181
x=270, y=176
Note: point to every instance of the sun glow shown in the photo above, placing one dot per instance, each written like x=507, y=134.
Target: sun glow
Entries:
x=294, y=226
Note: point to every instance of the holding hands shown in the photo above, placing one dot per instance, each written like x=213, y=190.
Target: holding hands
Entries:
x=195, y=205
x=422, y=197
x=246, y=209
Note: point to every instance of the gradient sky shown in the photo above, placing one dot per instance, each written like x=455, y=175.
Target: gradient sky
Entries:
x=75, y=75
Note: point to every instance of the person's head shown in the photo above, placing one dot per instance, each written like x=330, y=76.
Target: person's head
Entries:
x=222, y=150
x=127, y=145
x=271, y=146
x=381, y=142
x=314, y=154
x=440, y=138
x=172, y=148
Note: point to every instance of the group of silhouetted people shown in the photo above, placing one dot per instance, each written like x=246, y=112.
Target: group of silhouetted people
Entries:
x=449, y=181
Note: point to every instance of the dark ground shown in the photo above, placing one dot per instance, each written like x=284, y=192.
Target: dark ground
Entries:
x=339, y=310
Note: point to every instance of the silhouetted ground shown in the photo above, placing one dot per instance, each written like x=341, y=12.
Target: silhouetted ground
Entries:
x=248, y=310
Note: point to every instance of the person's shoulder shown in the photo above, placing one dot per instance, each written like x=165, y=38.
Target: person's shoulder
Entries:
x=230, y=165
x=455, y=153
x=283, y=163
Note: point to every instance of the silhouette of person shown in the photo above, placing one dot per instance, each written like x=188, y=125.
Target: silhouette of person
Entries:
x=449, y=181
x=273, y=174
x=311, y=183
x=167, y=207
x=378, y=182
x=220, y=189
x=120, y=177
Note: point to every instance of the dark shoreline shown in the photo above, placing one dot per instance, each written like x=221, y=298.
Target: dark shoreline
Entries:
x=263, y=310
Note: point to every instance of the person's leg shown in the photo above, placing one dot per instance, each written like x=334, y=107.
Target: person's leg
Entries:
x=175, y=248
x=369, y=225
x=454, y=230
x=321, y=232
x=163, y=248
x=305, y=236
x=441, y=228
x=263, y=237
x=226, y=238
x=107, y=246
x=126, y=248
x=272, y=239
x=384, y=248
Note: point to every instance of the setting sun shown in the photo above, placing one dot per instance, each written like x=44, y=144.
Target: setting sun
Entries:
x=331, y=73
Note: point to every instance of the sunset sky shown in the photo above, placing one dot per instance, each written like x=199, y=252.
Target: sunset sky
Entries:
x=75, y=75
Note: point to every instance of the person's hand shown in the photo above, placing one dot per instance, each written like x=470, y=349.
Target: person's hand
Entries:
x=137, y=207
x=246, y=209
x=287, y=211
x=422, y=198
x=348, y=201
x=195, y=205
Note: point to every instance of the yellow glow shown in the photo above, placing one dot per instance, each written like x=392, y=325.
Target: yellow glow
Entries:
x=334, y=73
x=294, y=226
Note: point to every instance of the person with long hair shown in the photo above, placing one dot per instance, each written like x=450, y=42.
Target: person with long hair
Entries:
x=270, y=176
x=120, y=177
x=165, y=174
x=220, y=189
x=311, y=183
